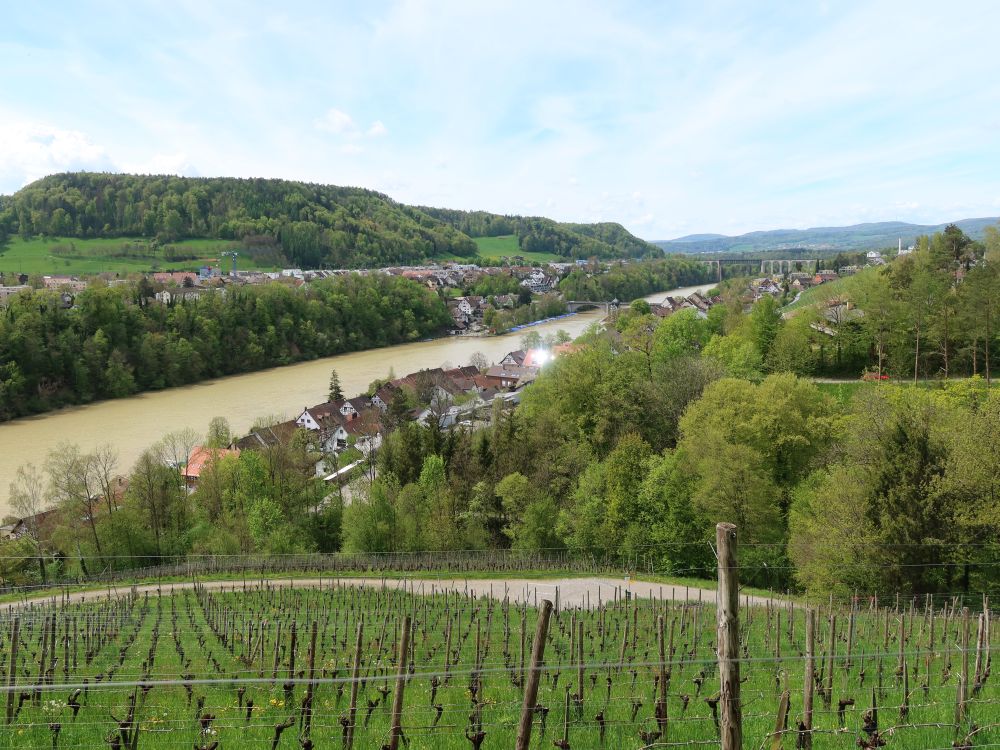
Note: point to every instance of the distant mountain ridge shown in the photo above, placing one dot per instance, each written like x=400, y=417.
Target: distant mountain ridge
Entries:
x=855, y=237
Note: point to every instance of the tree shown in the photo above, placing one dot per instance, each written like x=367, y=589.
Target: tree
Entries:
x=74, y=487
x=370, y=519
x=219, y=434
x=159, y=497
x=531, y=340
x=765, y=322
x=28, y=499
x=479, y=361
x=336, y=392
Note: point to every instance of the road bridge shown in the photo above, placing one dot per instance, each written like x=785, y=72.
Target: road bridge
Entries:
x=607, y=307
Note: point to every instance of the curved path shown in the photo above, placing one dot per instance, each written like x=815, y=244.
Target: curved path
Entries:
x=571, y=592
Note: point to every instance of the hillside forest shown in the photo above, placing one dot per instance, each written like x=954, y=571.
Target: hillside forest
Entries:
x=308, y=225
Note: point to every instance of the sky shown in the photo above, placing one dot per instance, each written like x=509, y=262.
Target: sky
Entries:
x=669, y=117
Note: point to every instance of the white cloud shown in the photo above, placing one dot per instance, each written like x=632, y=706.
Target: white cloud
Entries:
x=336, y=121
x=30, y=150
x=340, y=123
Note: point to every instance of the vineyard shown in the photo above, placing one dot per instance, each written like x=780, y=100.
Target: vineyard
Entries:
x=272, y=666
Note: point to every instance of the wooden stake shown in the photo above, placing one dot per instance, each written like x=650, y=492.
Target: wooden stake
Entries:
x=810, y=679
x=397, y=700
x=352, y=714
x=729, y=637
x=15, y=639
x=531, y=685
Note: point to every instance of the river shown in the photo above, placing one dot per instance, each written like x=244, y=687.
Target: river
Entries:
x=132, y=424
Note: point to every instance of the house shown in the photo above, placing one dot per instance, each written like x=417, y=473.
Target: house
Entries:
x=536, y=357
x=365, y=433
x=537, y=281
x=514, y=358
x=6, y=292
x=383, y=397
x=200, y=458
x=511, y=376
x=322, y=415
x=42, y=522
x=824, y=276
x=183, y=294
x=64, y=282
x=266, y=437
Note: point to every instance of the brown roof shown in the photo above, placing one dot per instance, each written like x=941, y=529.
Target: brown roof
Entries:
x=201, y=456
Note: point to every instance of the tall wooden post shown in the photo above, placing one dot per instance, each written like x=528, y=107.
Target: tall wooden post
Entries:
x=810, y=679
x=963, y=681
x=397, y=700
x=352, y=715
x=531, y=684
x=728, y=622
x=15, y=639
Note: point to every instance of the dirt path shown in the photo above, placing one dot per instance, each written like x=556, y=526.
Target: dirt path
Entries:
x=572, y=592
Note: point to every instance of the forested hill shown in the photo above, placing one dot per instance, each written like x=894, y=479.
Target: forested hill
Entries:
x=312, y=225
x=538, y=234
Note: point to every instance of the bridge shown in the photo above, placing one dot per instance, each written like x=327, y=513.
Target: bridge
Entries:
x=766, y=265
x=607, y=307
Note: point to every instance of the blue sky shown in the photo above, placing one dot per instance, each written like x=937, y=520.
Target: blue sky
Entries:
x=669, y=117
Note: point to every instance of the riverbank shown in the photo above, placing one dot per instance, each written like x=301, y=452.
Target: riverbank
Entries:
x=132, y=424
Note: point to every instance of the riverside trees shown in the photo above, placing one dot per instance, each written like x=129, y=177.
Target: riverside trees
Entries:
x=114, y=342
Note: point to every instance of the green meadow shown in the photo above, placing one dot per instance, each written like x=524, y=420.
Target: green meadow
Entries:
x=52, y=255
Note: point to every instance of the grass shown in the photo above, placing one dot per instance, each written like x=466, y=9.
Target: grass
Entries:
x=247, y=635
x=497, y=247
x=841, y=392
x=91, y=256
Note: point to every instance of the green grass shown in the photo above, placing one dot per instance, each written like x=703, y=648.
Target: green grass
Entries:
x=497, y=247
x=841, y=392
x=91, y=256
x=234, y=634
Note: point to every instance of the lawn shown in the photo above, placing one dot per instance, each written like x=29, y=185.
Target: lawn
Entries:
x=497, y=247
x=87, y=256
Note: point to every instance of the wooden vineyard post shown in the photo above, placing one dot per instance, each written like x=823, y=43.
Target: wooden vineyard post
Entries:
x=963, y=680
x=307, y=709
x=780, y=721
x=661, y=706
x=355, y=675
x=830, y=655
x=728, y=622
x=397, y=700
x=810, y=679
x=12, y=666
x=531, y=683
x=580, y=667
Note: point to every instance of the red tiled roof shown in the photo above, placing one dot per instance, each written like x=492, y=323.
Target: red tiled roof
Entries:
x=200, y=456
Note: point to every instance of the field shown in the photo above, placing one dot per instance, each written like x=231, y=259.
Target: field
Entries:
x=236, y=667
x=497, y=247
x=75, y=256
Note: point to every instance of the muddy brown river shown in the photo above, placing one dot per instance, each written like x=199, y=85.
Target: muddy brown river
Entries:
x=132, y=424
